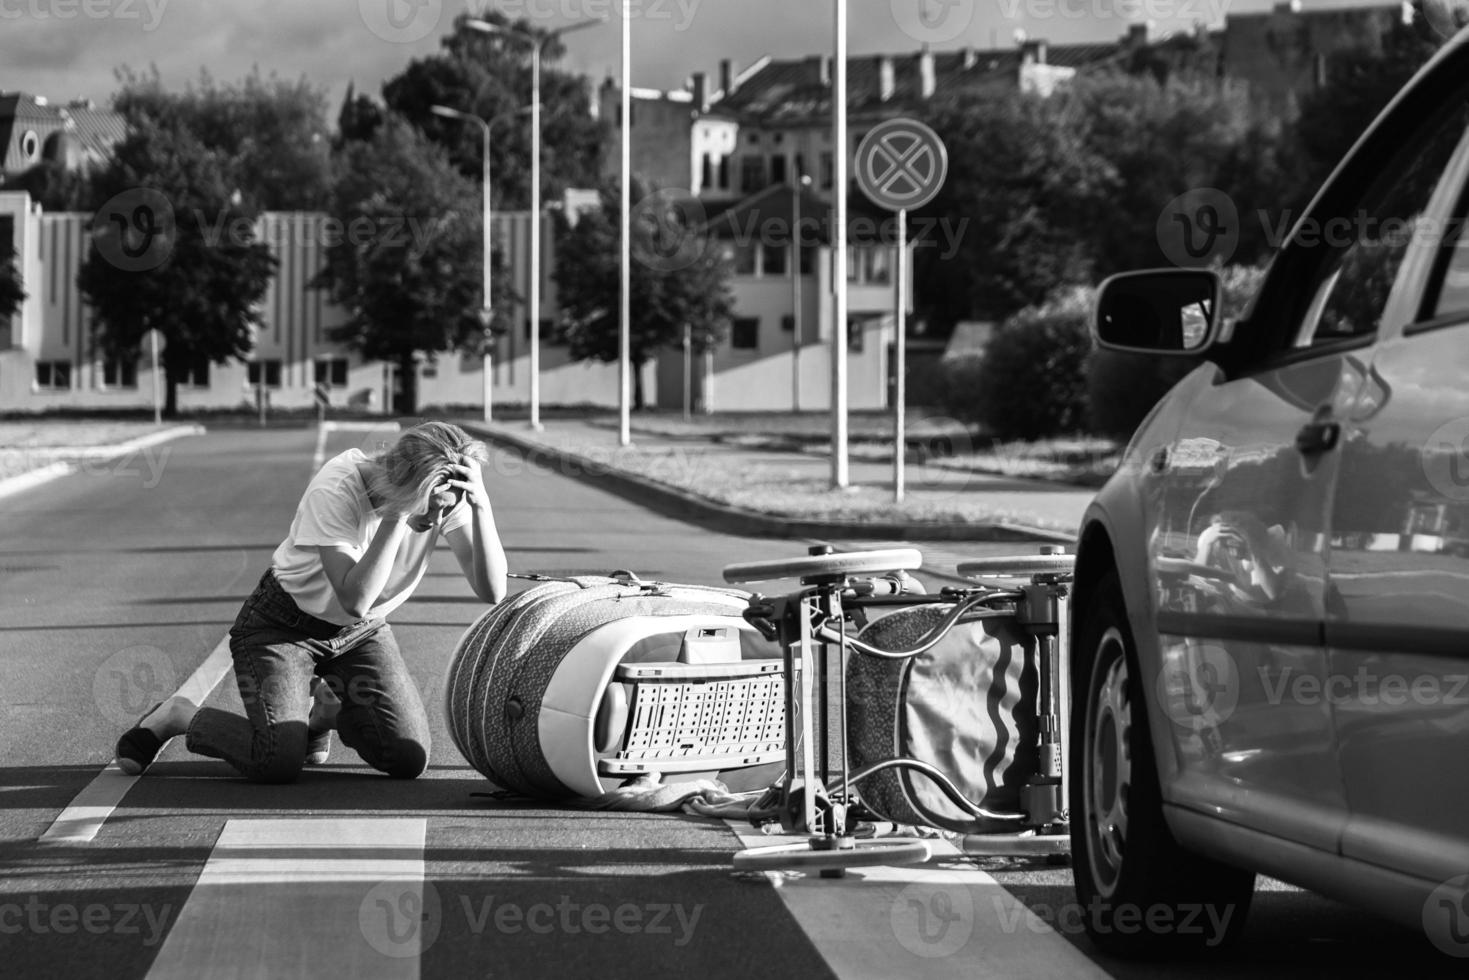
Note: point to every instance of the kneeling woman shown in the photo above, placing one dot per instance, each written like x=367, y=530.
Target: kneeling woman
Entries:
x=312, y=649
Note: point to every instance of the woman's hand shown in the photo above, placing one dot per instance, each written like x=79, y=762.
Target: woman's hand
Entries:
x=466, y=475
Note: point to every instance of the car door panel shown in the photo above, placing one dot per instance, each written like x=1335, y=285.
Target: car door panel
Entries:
x=1240, y=561
x=1398, y=628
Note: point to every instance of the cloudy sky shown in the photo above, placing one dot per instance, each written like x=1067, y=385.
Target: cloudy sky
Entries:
x=69, y=48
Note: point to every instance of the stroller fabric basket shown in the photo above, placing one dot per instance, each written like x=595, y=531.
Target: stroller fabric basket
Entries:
x=967, y=707
x=572, y=687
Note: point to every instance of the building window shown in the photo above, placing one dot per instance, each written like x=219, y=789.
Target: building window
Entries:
x=53, y=375
x=752, y=173
x=828, y=171
x=877, y=265
x=754, y=138
x=724, y=173
x=742, y=257
x=706, y=173
x=745, y=334
x=120, y=372
x=272, y=372
x=808, y=259
x=788, y=323
x=800, y=167
x=30, y=145
x=331, y=371
x=773, y=260
x=196, y=375
x=778, y=170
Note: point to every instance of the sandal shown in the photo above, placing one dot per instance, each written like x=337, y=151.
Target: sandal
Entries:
x=138, y=746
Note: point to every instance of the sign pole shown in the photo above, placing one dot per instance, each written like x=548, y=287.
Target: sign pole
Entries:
x=900, y=388
x=157, y=392
x=901, y=164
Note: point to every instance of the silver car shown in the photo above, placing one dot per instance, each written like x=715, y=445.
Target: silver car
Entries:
x=1270, y=650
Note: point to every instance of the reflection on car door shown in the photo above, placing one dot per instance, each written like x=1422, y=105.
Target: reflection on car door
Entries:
x=1398, y=627
x=1241, y=581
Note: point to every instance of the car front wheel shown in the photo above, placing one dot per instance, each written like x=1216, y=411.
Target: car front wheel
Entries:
x=1140, y=892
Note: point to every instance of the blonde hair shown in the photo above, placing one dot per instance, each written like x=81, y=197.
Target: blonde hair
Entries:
x=408, y=470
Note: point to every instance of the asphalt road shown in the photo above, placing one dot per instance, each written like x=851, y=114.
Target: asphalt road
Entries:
x=116, y=584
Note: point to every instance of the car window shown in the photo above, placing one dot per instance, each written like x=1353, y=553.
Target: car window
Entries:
x=1367, y=244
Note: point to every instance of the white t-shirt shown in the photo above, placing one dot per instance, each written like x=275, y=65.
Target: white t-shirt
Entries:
x=336, y=510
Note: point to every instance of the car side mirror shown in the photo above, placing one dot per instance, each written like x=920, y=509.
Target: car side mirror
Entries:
x=1161, y=311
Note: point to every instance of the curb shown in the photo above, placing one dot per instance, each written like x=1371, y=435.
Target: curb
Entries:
x=52, y=471
x=726, y=519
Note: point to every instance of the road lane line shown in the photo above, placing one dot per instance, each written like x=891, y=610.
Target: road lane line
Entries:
x=80, y=822
x=306, y=898
x=319, y=457
x=946, y=918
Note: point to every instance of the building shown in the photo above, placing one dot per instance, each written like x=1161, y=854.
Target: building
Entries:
x=1282, y=54
x=48, y=359
x=755, y=152
x=76, y=135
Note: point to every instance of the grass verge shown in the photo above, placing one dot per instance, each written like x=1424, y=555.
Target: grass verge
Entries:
x=782, y=484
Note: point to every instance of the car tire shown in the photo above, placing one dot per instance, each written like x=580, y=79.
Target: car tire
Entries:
x=1140, y=893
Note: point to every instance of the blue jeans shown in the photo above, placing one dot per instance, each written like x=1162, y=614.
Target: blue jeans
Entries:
x=277, y=650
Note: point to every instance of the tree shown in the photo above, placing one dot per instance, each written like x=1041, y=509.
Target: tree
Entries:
x=271, y=135
x=359, y=119
x=172, y=250
x=409, y=267
x=12, y=289
x=668, y=293
x=487, y=75
x=54, y=187
x=1019, y=171
x=1360, y=81
x=1148, y=143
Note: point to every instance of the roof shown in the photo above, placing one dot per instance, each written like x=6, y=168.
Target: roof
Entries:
x=793, y=90
x=97, y=129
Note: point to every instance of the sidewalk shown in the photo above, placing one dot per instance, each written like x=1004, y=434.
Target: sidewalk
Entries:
x=774, y=491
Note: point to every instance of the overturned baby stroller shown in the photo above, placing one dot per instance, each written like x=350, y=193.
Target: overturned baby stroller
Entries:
x=576, y=685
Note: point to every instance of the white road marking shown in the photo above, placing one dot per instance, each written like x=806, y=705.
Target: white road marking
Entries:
x=85, y=815
x=357, y=882
x=319, y=457
x=67, y=456
x=946, y=918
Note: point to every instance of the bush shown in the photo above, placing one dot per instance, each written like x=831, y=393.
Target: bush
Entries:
x=1121, y=389
x=1030, y=382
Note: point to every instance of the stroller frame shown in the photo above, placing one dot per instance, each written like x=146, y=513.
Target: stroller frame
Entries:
x=810, y=621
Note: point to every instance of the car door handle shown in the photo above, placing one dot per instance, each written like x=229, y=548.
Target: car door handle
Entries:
x=1318, y=437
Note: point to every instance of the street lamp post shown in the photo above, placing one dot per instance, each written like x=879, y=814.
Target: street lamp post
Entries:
x=487, y=310
x=839, y=470
x=537, y=44
x=802, y=182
